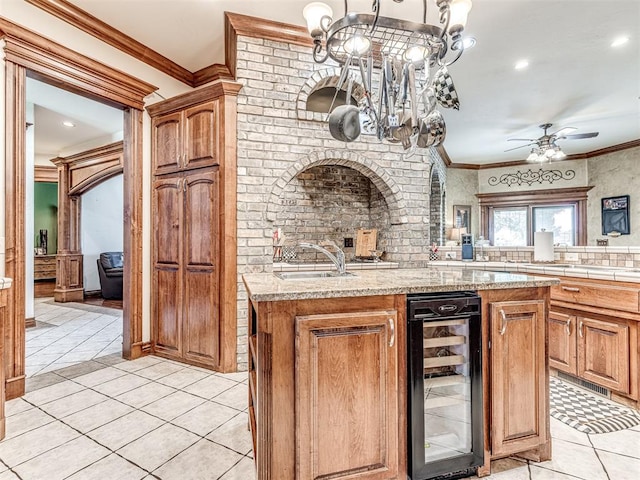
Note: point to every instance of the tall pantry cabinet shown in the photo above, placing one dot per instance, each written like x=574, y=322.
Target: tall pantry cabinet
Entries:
x=194, y=280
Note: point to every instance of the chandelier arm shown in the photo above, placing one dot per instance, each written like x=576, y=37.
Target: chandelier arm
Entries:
x=458, y=47
x=346, y=7
x=376, y=11
x=317, y=48
x=445, y=16
x=424, y=11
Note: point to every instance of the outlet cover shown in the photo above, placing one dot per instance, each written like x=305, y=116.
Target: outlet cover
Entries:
x=450, y=255
x=348, y=242
x=571, y=257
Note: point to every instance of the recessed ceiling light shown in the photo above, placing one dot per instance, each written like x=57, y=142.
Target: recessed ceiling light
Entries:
x=69, y=124
x=521, y=64
x=469, y=42
x=618, y=42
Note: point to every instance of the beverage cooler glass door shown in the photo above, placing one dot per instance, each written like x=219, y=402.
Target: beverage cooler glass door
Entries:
x=445, y=400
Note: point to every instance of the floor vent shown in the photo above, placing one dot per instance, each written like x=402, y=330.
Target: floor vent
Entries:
x=592, y=387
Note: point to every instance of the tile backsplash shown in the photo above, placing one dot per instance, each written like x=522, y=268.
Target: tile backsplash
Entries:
x=589, y=255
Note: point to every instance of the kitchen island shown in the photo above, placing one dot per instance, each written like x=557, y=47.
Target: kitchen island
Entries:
x=328, y=369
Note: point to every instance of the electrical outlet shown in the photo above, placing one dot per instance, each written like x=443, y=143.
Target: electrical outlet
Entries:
x=348, y=242
x=571, y=257
x=450, y=255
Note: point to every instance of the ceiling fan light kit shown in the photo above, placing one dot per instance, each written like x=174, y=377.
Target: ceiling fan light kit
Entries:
x=545, y=147
x=409, y=60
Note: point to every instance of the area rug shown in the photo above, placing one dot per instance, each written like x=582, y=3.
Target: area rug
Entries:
x=586, y=412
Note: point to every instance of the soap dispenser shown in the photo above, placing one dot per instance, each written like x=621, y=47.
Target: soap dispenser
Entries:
x=467, y=247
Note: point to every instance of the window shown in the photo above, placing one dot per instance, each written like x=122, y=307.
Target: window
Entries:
x=510, y=219
x=514, y=226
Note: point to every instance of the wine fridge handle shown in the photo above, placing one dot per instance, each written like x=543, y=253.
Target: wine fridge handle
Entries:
x=392, y=327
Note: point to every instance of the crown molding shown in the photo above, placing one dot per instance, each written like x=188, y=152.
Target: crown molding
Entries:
x=578, y=156
x=62, y=66
x=104, y=32
x=256, y=27
x=45, y=173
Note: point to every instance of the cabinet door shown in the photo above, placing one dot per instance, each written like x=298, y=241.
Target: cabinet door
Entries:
x=201, y=270
x=166, y=143
x=603, y=353
x=518, y=376
x=562, y=342
x=346, y=396
x=167, y=285
x=201, y=135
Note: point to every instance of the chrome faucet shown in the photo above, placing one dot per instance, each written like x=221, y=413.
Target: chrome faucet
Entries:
x=337, y=259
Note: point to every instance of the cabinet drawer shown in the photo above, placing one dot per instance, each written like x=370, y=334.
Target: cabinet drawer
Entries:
x=605, y=296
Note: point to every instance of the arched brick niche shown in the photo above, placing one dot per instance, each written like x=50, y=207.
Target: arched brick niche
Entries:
x=329, y=194
x=322, y=79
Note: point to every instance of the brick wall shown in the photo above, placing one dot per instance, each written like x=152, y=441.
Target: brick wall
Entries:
x=280, y=147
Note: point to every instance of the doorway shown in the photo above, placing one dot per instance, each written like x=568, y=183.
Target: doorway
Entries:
x=29, y=55
x=66, y=127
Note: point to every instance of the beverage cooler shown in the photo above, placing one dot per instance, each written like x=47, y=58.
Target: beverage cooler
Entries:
x=445, y=434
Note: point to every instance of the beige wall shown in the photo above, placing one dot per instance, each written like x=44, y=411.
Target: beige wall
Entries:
x=614, y=175
x=610, y=175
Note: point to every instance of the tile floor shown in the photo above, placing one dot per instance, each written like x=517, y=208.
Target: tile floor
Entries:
x=69, y=333
x=110, y=419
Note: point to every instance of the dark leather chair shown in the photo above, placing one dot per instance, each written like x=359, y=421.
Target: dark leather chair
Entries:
x=110, y=269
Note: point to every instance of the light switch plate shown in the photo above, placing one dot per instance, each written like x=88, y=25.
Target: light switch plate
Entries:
x=450, y=255
x=571, y=257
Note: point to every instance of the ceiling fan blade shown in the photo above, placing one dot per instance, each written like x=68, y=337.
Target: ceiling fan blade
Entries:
x=578, y=136
x=563, y=131
x=521, y=146
x=521, y=139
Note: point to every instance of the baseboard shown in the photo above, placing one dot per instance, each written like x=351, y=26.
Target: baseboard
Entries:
x=14, y=387
x=146, y=348
x=92, y=293
x=29, y=322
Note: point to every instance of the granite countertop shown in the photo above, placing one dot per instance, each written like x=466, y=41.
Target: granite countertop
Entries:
x=268, y=287
x=598, y=272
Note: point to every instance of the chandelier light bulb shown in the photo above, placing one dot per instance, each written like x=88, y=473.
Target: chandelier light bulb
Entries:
x=315, y=13
x=357, y=45
x=533, y=156
x=416, y=54
x=559, y=155
x=459, y=13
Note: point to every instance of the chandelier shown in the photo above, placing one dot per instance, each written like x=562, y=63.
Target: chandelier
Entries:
x=402, y=67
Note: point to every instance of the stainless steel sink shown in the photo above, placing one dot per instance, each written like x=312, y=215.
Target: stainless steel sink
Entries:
x=309, y=275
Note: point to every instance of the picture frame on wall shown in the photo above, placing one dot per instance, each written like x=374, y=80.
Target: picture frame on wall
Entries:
x=462, y=217
x=615, y=215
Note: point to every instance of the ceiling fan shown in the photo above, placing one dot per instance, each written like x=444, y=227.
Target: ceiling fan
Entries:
x=545, y=146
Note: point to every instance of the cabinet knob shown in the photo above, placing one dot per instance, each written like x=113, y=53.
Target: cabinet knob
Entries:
x=392, y=327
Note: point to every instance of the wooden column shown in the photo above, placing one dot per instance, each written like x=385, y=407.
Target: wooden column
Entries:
x=132, y=288
x=15, y=171
x=69, y=276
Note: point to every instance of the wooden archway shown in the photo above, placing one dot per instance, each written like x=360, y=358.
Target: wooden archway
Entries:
x=76, y=175
x=27, y=53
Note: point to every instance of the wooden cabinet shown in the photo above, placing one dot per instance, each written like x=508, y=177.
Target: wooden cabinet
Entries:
x=562, y=342
x=518, y=376
x=194, y=241
x=186, y=266
x=186, y=139
x=44, y=267
x=593, y=332
x=346, y=394
x=327, y=388
x=603, y=353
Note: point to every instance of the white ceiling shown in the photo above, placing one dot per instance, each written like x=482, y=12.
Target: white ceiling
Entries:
x=52, y=106
x=575, y=77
